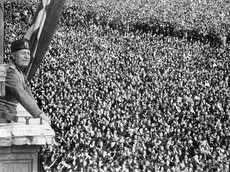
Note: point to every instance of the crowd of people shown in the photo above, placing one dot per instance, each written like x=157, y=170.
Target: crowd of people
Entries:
x=195, y=20
x=130, y=101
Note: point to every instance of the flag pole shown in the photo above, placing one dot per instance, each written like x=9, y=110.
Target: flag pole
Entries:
x=2, y=65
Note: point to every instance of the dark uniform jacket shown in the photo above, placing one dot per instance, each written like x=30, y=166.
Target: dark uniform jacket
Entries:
x=17, y=90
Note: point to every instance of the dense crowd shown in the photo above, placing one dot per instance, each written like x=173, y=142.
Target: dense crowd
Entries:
x=130, y=101
x=196, y=20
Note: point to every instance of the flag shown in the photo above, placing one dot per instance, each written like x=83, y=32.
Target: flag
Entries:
x=41, y=32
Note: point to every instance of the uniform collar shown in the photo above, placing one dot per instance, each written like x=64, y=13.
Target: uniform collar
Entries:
x=14, y=66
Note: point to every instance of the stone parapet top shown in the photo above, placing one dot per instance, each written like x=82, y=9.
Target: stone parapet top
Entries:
x=22, y=133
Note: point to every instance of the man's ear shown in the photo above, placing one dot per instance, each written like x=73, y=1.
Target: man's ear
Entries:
x=13, y=55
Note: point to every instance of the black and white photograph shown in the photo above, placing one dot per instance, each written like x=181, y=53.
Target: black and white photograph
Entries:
x=114, y=86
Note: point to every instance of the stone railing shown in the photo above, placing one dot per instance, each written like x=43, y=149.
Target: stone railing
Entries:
x=20, y=143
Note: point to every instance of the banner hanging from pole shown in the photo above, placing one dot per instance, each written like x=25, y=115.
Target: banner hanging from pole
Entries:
x=41, y=32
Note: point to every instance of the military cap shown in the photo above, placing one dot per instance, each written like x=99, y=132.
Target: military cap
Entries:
x=19, y=45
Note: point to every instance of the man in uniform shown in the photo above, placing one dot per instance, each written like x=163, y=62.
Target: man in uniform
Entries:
x=17, y=89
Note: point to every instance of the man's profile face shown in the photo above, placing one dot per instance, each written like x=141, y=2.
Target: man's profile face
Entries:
x=22, y=58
